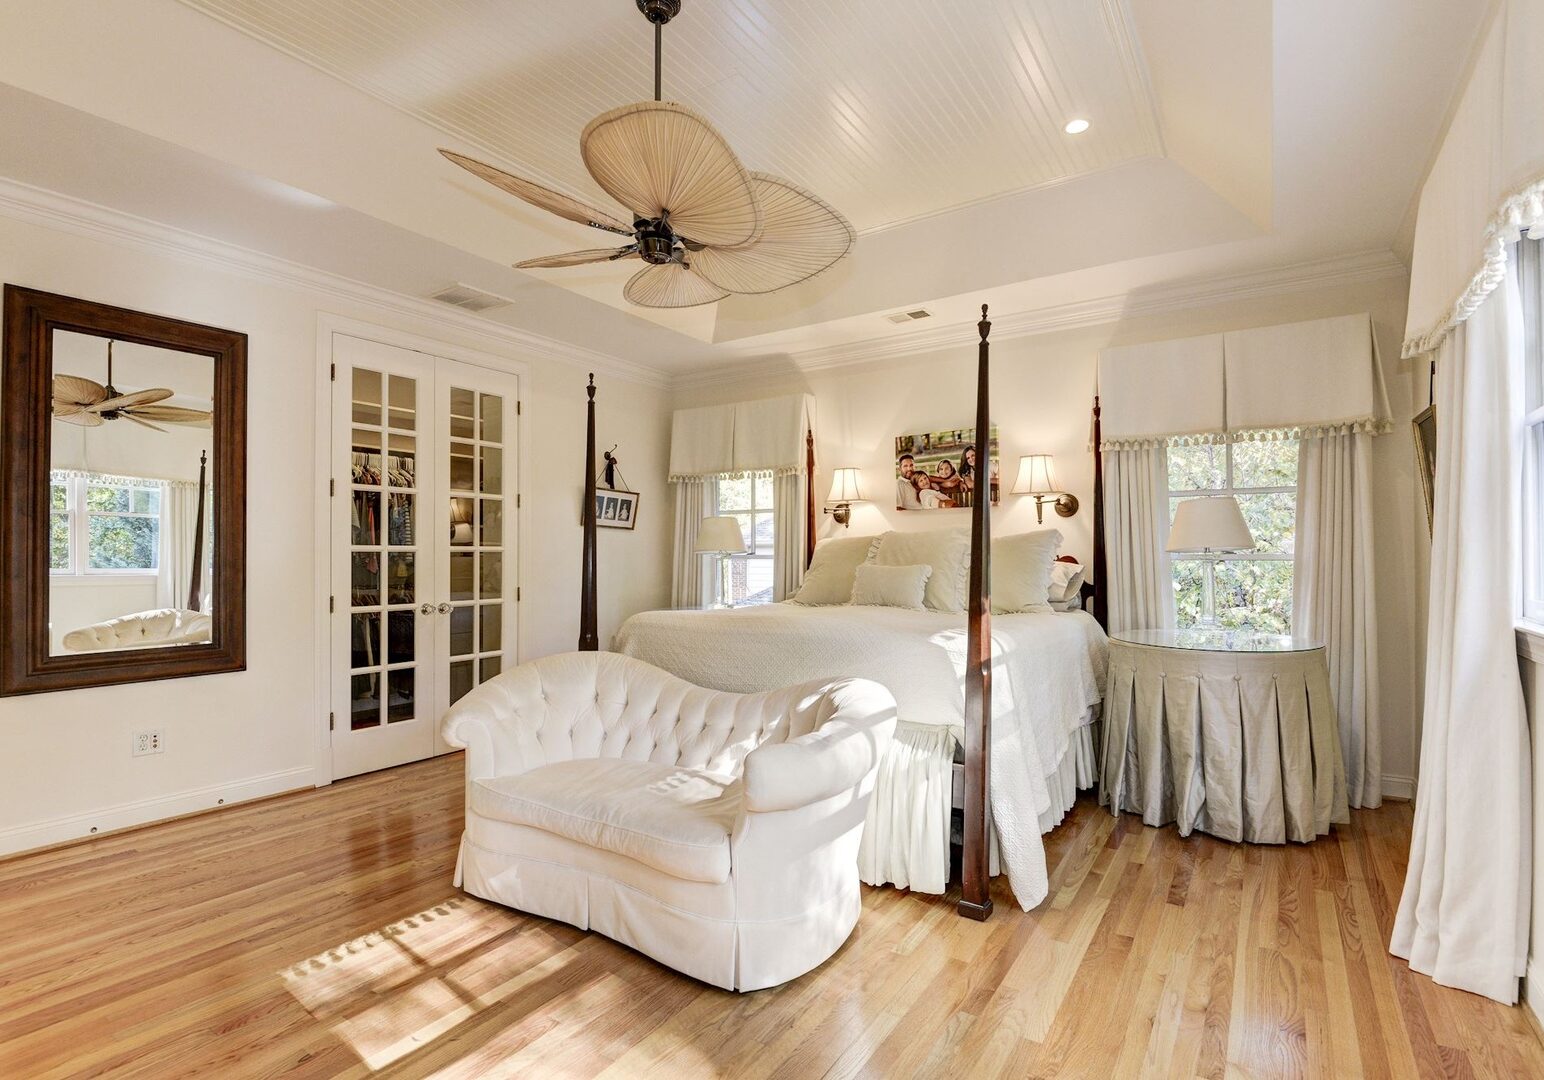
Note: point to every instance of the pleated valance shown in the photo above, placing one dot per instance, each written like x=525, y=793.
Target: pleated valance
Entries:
x=1282, y=381
x=766, y=436
x=1486, y=187
x=1160, y=391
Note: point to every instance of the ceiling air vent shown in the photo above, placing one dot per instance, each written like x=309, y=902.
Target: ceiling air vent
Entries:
x=908, y=316
x=469, y=298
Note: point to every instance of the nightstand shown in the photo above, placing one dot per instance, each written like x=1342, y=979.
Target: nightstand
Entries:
x=1230, y=732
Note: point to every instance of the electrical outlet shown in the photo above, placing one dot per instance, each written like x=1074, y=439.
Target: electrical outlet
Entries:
x=148, y=742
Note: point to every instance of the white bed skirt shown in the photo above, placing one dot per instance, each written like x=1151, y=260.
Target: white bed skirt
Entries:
x=906, y=837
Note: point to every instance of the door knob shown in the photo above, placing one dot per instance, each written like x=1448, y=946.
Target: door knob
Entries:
x=444, y=609
x=426, y=609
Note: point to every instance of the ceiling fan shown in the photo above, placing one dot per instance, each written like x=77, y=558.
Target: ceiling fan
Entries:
x=706, y=225
x=90, y=404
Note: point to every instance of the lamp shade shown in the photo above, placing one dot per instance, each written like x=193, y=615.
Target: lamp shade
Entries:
x=1210, y=524
x=1036, y=476
x=720, y=536
x=844, y=487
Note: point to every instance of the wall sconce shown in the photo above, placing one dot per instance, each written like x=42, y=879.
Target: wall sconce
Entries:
x=1037, y=478
x=844, y=492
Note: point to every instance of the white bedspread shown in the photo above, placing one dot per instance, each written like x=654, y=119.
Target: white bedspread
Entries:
x=1048, y=672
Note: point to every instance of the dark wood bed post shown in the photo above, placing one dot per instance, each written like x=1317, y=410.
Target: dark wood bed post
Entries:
x=589, y=639
x=1101, y=595
x=809, y=497
x=975, y=885
x=196, y=581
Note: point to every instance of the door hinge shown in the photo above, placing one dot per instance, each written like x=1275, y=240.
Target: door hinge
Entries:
x=517, y=500
x=332, y=486
x=517, y=594
x=331, y=604
x=332, y=373
x=519, y=407
x=332, y=721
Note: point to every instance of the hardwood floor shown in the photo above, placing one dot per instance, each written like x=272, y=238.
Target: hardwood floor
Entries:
x=318, y=935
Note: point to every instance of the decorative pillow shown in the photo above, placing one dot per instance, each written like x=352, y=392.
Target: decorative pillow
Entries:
x=890, y=586
x=1066, y=581
x=1021, y=570
x=829, y=577
x=947, y=551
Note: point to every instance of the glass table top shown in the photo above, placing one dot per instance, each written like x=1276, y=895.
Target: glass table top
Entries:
x=1204, y=639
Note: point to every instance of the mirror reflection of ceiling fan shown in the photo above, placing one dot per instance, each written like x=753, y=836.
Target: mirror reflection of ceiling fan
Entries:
x=90, y=404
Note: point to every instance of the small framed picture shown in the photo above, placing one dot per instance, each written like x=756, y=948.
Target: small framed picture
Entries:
x=1425, y=425
x=616, y=509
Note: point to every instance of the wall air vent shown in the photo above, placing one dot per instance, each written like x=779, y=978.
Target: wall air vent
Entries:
x=470, y=299
x=908, y=316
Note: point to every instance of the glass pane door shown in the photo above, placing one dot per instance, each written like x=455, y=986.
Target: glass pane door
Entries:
x=385, y=679
x=475, y=471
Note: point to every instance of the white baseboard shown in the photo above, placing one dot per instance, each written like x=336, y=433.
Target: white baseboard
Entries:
x=1533, y=990
x=1398, y=787
x=38, y=834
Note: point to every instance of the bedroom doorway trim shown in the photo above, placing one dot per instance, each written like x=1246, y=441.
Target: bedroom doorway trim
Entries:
x=518, y=480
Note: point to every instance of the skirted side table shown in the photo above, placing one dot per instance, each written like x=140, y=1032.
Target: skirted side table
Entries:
x=1230, y=732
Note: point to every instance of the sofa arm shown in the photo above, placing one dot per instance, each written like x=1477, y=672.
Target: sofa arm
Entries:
x=469, y=726
x=832, y=759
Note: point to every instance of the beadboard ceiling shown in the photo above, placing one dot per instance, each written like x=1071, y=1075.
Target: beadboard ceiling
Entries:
x=891, y=110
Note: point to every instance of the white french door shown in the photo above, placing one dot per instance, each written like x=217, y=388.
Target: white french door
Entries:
x=424, y=562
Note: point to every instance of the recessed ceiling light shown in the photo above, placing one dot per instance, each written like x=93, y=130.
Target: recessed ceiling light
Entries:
x=1076, y=127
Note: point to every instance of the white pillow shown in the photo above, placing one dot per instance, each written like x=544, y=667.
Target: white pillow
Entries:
x=891, y=586
x=1066, y=581
x=829, y=578
x=1021, y=570
x=947, y=551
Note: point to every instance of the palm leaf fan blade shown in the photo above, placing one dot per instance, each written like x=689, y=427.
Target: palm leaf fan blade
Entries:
x=541, y=197
x=78, y=391
x=170, y=414
x=578, y=258
x=660, y=159
x=138, y=397
x=801, y=236
x=670, y=285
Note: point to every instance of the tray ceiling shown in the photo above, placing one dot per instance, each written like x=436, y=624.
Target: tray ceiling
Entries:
x=932, y=112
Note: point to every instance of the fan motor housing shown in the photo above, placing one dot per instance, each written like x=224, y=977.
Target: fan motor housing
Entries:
x=656, y=241
x=659, y=12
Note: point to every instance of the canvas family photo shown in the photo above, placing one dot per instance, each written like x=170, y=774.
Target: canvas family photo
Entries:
x=939, y=470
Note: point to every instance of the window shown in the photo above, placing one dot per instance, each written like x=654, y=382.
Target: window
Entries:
x=103, y=525
x=1254, y=588
x=749, y=500
x=1530, y=264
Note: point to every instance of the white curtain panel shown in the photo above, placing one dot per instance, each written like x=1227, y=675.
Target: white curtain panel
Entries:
x=1332, y=594
x=789, y=523
x=1136, y=531
x=1463, y=917
x=179, y=513
x=686, y=576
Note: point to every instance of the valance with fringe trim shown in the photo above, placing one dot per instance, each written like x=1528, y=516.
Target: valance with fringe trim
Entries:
x=748, y=438
x=1486, y=186
x=1290, y=381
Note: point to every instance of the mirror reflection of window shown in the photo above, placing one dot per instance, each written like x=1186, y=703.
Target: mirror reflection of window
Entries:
x=131, y=429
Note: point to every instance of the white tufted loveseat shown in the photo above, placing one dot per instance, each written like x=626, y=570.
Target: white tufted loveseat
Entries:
x=163, y=626
x=715, y=832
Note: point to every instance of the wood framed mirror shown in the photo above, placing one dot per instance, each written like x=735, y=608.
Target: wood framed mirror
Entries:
x=123, y=505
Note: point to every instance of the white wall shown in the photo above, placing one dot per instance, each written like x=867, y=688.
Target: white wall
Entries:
x=1042, y=387
x=251, y=733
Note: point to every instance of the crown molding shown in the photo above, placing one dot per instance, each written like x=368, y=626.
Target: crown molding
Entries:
x=51, y=209
x=1339, y=270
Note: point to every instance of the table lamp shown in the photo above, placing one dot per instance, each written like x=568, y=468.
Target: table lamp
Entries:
x=1208, y=527
x=721, y=536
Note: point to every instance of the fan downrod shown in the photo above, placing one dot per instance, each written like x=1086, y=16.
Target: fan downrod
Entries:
x=659, y=12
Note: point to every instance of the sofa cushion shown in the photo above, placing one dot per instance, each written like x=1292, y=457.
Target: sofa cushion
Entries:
x=673, y=819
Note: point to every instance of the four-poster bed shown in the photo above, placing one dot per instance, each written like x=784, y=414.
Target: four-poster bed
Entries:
x=1045, y=710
